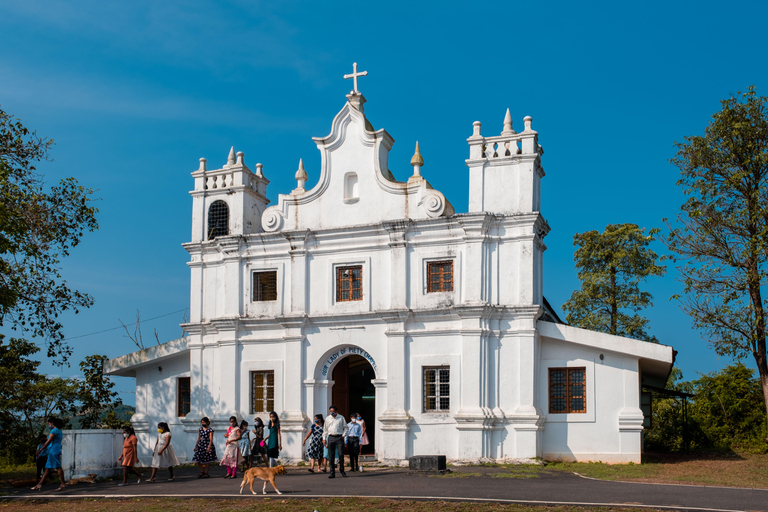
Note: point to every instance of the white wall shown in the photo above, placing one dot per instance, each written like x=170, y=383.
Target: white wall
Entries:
x=84, y=452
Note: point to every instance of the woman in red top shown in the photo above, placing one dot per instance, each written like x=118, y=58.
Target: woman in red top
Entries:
x=130, y=455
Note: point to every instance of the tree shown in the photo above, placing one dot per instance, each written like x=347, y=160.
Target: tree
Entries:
x=95, y=393
x=38, y=227
x=611, y=266
x=729, y=407
x=27, y=398
x=721, y=235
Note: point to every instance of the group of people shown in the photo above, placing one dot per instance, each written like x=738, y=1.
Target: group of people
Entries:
x=262, y=444
x=328, y=437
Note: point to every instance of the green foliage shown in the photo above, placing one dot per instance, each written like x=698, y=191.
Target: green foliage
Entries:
x=38, y=227
x=721, y=236
x=726, y=413
x=27, y=398
x=730, y=409
x=611, y=266
x=95, y=393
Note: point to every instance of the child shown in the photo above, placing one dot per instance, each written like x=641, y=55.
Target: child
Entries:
x=163, y=456
x=245, y=445
x=231, y=449
x=42, y=455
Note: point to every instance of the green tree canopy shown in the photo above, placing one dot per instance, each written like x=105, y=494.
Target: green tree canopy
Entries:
x=38, y=227
x=611, y=267
x=721, y=234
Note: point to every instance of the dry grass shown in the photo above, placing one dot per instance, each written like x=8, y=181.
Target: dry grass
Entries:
x=278, y=505
x=729, y=470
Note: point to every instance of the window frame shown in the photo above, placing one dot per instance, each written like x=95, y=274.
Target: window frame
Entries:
x=266, y=386
x=180, y=397
x=210, y=236
x=438, y=395
x=340, y=269
x=441, y=273
x=568, y=397
x=255, y=289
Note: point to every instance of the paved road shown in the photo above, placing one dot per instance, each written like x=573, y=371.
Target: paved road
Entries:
x=549, y=487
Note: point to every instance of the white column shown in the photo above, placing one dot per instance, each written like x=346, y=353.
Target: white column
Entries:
x=474, y=419
x=395, y=419
x=293, y=419
x=298, y=269
x=522, y=354
x=630, y=416
x=398, y=271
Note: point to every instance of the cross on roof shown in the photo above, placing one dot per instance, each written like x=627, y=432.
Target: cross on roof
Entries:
x=354, y=76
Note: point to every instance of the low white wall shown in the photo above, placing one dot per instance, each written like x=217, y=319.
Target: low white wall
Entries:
x=91, y=451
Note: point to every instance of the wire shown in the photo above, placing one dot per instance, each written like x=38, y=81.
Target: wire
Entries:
x=121, y=327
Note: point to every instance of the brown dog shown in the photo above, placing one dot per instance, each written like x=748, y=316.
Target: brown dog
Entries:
x=90, y=479
x=266, y=474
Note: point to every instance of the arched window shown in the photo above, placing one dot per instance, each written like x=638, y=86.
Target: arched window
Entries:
x=218, y=220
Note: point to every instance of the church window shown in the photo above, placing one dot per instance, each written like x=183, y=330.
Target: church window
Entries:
x=184, y=395
x=567, y=390
x=437, y=389
x=264, y=286
x=262, y=391
x=349, y=283
x=439, y=276
x=218, y=220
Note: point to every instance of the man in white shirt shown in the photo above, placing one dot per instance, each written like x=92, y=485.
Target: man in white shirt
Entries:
x=335, y=433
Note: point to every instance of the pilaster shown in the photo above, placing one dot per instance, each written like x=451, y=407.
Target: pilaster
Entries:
x=476, y=267
x=298, y=271
x=395, y=419
x=229, y=369
x=398, y=270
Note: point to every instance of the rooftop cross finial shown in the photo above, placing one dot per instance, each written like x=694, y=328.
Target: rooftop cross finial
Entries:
x=354, y=76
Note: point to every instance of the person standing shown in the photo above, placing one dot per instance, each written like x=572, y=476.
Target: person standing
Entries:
x=245, y=446
x=315, y=436
x=53, y=446
x=335, y=433
x=163, y=455
x=257, y=449
x=274, y=439
x=41, y=455
x=130, y=455
x=353, y=442
x=205, y=451
x=231, y=449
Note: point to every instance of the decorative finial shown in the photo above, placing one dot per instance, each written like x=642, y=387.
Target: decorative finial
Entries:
x=417, y=161
x=476, y=129
x=240, y=156
x=202, y=164
x=259, y=170
x=231, y=157
x=528, y=120
x=354, y=76
x=301, y=175
x=508, y=125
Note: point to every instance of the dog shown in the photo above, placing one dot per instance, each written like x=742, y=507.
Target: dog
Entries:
x=266, y=474
x=90, y=479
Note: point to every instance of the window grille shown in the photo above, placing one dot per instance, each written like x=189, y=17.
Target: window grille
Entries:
x=264, y=286
x=349, y=283
x=567, y=390
x=439, y=276
x=184, y=395
x=262, y=391
x=437, y=389
x=218, y=220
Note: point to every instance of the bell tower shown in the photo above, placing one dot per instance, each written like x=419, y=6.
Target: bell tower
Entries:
x=228, y=201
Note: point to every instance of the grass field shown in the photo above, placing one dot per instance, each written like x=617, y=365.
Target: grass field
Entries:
x=746, y=470
x=277, y=505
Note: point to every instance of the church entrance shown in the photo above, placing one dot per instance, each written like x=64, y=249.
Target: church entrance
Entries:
x=353, y=391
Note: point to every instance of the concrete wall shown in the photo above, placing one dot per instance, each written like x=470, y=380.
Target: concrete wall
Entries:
x=91, y=451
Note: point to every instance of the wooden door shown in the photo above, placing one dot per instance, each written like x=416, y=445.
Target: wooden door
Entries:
x=340, y=392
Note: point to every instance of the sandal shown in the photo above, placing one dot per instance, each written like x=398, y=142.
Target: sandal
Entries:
x=172, y=479
x=311, y=470
x=206, y=475
x=61, y=488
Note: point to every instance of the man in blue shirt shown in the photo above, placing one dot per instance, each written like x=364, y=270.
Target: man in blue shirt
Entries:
x=353, y=442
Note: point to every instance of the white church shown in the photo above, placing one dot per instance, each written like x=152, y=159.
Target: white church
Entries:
x=375, y=295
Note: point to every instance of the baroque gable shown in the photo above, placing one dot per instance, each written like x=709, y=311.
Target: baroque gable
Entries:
x=355, y=182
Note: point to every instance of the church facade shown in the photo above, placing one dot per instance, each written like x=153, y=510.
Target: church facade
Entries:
x=375, y=295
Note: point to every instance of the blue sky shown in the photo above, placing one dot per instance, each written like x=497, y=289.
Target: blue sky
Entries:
x=133, y=93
